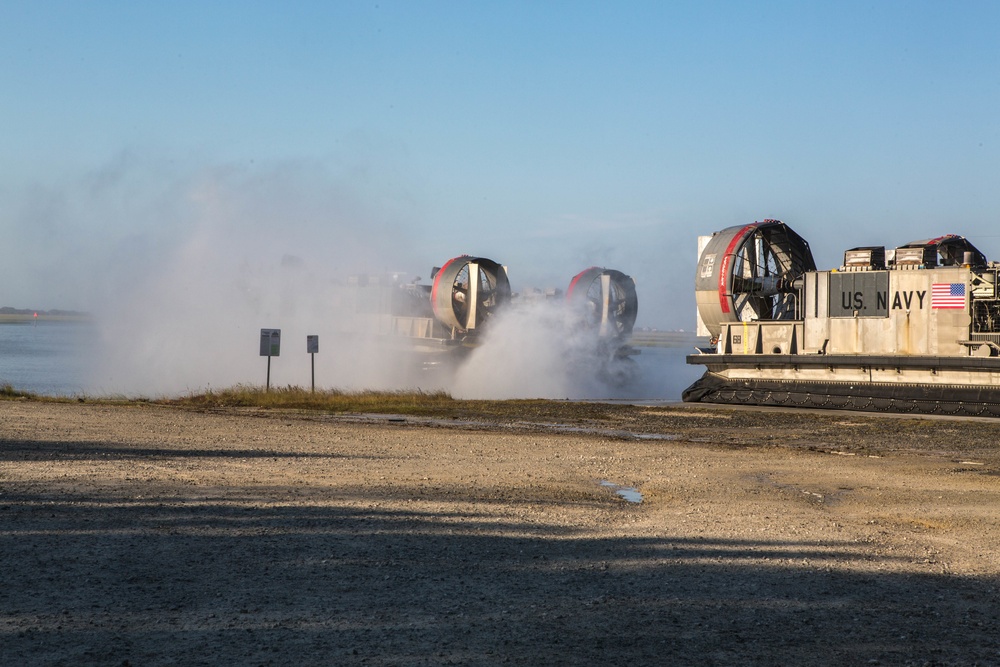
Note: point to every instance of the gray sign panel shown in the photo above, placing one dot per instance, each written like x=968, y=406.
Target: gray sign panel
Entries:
x=859, y=294
x=270, y=342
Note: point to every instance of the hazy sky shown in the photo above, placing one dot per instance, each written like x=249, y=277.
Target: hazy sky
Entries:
x=549, y=136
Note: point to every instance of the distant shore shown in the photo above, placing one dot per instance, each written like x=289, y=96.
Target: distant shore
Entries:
x=14, y=318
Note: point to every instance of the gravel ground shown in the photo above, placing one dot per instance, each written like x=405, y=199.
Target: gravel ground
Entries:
x=149, y=535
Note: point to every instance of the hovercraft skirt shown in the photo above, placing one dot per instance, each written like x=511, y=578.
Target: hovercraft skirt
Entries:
x=917, y=398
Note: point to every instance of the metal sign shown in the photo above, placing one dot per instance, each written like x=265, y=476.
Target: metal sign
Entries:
x=270, y=342
x=859, y=294
x=312, y=347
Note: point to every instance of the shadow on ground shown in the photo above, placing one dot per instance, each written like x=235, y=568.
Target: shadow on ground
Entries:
x=117, y=579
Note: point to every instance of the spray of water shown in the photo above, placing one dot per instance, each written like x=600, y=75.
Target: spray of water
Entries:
x=545, y=349
x=181, y=268
x=537, y=350
x=180, y=310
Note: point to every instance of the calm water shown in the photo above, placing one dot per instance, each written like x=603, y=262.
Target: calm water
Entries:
x=47, y=358
x=57, y=359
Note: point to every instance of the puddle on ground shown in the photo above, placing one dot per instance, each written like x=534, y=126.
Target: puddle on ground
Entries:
x=631, y=494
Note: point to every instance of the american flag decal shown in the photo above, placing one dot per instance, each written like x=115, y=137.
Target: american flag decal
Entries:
x=948, y=295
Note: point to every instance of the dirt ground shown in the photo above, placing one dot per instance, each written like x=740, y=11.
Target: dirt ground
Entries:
x=150, y=535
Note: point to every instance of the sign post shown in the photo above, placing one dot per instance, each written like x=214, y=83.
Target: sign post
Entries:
x=270, y=346
x=312, y=347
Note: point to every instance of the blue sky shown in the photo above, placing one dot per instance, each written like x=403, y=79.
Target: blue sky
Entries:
x=548, y=136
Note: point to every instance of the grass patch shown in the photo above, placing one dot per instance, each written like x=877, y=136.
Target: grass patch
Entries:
x=438, y=404
x=332, y=400
x=8, y=392
x=417, y=403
